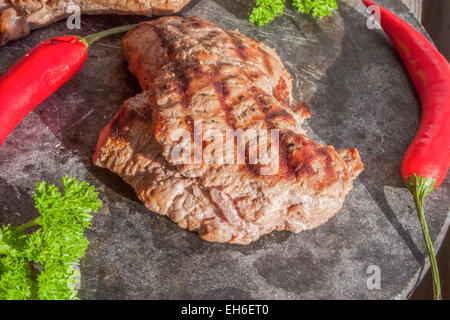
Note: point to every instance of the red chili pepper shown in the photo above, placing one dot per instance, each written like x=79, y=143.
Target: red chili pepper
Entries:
x=427, y=159
x=40, y=73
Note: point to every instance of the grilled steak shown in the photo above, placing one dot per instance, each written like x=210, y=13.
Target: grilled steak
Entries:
x=192, y=71
x=18, y=17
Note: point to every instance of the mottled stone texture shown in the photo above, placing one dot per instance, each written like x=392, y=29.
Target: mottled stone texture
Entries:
x=359, y=95
x=415, y=6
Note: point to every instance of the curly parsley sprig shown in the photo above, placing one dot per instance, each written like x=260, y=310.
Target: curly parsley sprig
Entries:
x=266, y=10
x=40, y=265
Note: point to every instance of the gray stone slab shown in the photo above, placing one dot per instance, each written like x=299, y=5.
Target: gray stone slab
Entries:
x=359, y=95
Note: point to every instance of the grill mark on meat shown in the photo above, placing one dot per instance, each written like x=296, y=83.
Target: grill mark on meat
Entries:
x=222, y=93
x=181, y=81
x=252, y=169
x=269, y=112
x=279, y=114
x=261, y=103
x=208, y=75
x=249, y=77
x=285, y=158
x=190, y=122
x=162, y=37
x=238, y=45
x=206, y=78
x=170, y=48
x=286, y=163
x=265, y=57
x=240, y=49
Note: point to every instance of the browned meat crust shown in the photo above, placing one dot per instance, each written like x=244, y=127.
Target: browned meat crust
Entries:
x=191, y=71
x=18, y=17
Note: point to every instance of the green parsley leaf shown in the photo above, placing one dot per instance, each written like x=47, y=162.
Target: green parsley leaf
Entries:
x=55, y=247
x=15, y=282
x=266, y=10
x=316, y=8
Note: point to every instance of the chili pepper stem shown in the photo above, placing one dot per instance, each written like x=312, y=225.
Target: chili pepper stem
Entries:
x=420, y=187
x=89, y=40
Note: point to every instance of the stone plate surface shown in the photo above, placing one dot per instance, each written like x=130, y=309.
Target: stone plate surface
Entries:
x=360, y=96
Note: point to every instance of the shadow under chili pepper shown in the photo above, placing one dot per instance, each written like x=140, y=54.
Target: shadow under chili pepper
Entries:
x=103, y=84
x=368, y=109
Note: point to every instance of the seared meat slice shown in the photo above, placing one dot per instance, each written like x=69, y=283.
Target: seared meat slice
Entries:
x=18, y=17
x=193, y=72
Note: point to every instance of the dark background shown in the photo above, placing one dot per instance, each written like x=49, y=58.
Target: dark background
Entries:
x=436, y=19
